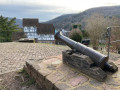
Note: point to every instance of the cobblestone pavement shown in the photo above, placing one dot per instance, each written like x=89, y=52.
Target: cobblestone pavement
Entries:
x=13, y=55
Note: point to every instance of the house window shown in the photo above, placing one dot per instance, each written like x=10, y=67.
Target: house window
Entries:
x=25, y=29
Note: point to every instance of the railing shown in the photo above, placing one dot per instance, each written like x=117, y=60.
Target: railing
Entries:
x=109, y=29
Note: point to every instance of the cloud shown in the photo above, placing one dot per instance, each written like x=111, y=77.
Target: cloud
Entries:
x=43, y=12
x=48, y=9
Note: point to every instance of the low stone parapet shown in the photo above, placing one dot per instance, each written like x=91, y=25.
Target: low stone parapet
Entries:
x=51, y=74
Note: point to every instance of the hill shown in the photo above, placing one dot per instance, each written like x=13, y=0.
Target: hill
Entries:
x=66, y=21
x=18, y=22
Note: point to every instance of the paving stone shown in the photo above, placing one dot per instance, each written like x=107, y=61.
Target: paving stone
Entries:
x=116, y=75
x=44, y=72
x=56, y=62
x=71, y=74
x=49, y=61
x=78, y=80
x=54, y=77
x=51, y=67
x=96, y=83
x=36, y=66
x=41, y=66
x=64, y=68
x=107, y=87
x=117, y=62
x=86, y=87
x=112, y=82
x=62, y=86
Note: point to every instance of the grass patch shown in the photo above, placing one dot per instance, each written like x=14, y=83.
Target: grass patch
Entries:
x=28, y=79
x=2, y=88
x=29, y=82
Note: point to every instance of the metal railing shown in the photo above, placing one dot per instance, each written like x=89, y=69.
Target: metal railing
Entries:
x=109, y=36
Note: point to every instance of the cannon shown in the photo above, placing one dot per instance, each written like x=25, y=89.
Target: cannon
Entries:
x=99, y=59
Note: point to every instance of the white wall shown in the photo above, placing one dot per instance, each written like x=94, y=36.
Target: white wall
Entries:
x=31, y=32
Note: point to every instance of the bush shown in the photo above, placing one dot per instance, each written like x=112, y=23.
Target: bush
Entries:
x=76, y=35
x=75, y=26
x=85, y=33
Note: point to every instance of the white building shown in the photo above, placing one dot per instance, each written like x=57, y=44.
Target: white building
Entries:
x=43, y=32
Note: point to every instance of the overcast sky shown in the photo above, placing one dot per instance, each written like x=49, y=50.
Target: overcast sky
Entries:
x=48, y=9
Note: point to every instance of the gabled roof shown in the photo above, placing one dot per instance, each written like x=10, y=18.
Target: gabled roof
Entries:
x=42, y=28
x=30, y=22
x=45, y=29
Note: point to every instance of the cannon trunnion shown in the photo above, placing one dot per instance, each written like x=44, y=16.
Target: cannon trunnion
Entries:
x=98, y=60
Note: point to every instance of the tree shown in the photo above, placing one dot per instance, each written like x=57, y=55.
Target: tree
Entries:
x=76, y=35
x=96, y=26
x=115, y=33
x=7, y=27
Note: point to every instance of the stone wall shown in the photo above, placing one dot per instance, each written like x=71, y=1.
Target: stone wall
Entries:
x=51, y=74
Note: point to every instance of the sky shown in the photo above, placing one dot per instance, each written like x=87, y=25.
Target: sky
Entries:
x=46, y=10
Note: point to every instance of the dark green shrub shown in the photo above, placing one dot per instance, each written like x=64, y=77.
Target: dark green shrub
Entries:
x=75, y=26
x=85, y=33
x=76, y=35
x=80, y=27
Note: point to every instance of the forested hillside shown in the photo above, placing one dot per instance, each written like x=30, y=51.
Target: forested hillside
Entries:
x=66, y=21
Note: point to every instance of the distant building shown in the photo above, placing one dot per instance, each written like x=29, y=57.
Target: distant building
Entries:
x=42, y=32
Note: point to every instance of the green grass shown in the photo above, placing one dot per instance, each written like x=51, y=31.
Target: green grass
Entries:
x=2, y=88
x=29, y=82
x=28, y=79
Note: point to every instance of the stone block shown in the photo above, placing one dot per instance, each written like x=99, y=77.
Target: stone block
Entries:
x=85, y=87
x=77, y=60
x=44, y=72
x=69, y=75
x=41, y=80
x=96, y=83
x=64, y=69
x=84, y=64
x=54, y=77
x=96, y=73
x=78, y=80
x=61, y=86
x=48, y=85
x=27, y=70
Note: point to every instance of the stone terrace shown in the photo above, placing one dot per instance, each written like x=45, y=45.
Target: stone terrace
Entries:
x=52, y=74
x=13, y=55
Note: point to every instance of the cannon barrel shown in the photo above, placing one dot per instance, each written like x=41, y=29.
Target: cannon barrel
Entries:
x=98, y=58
